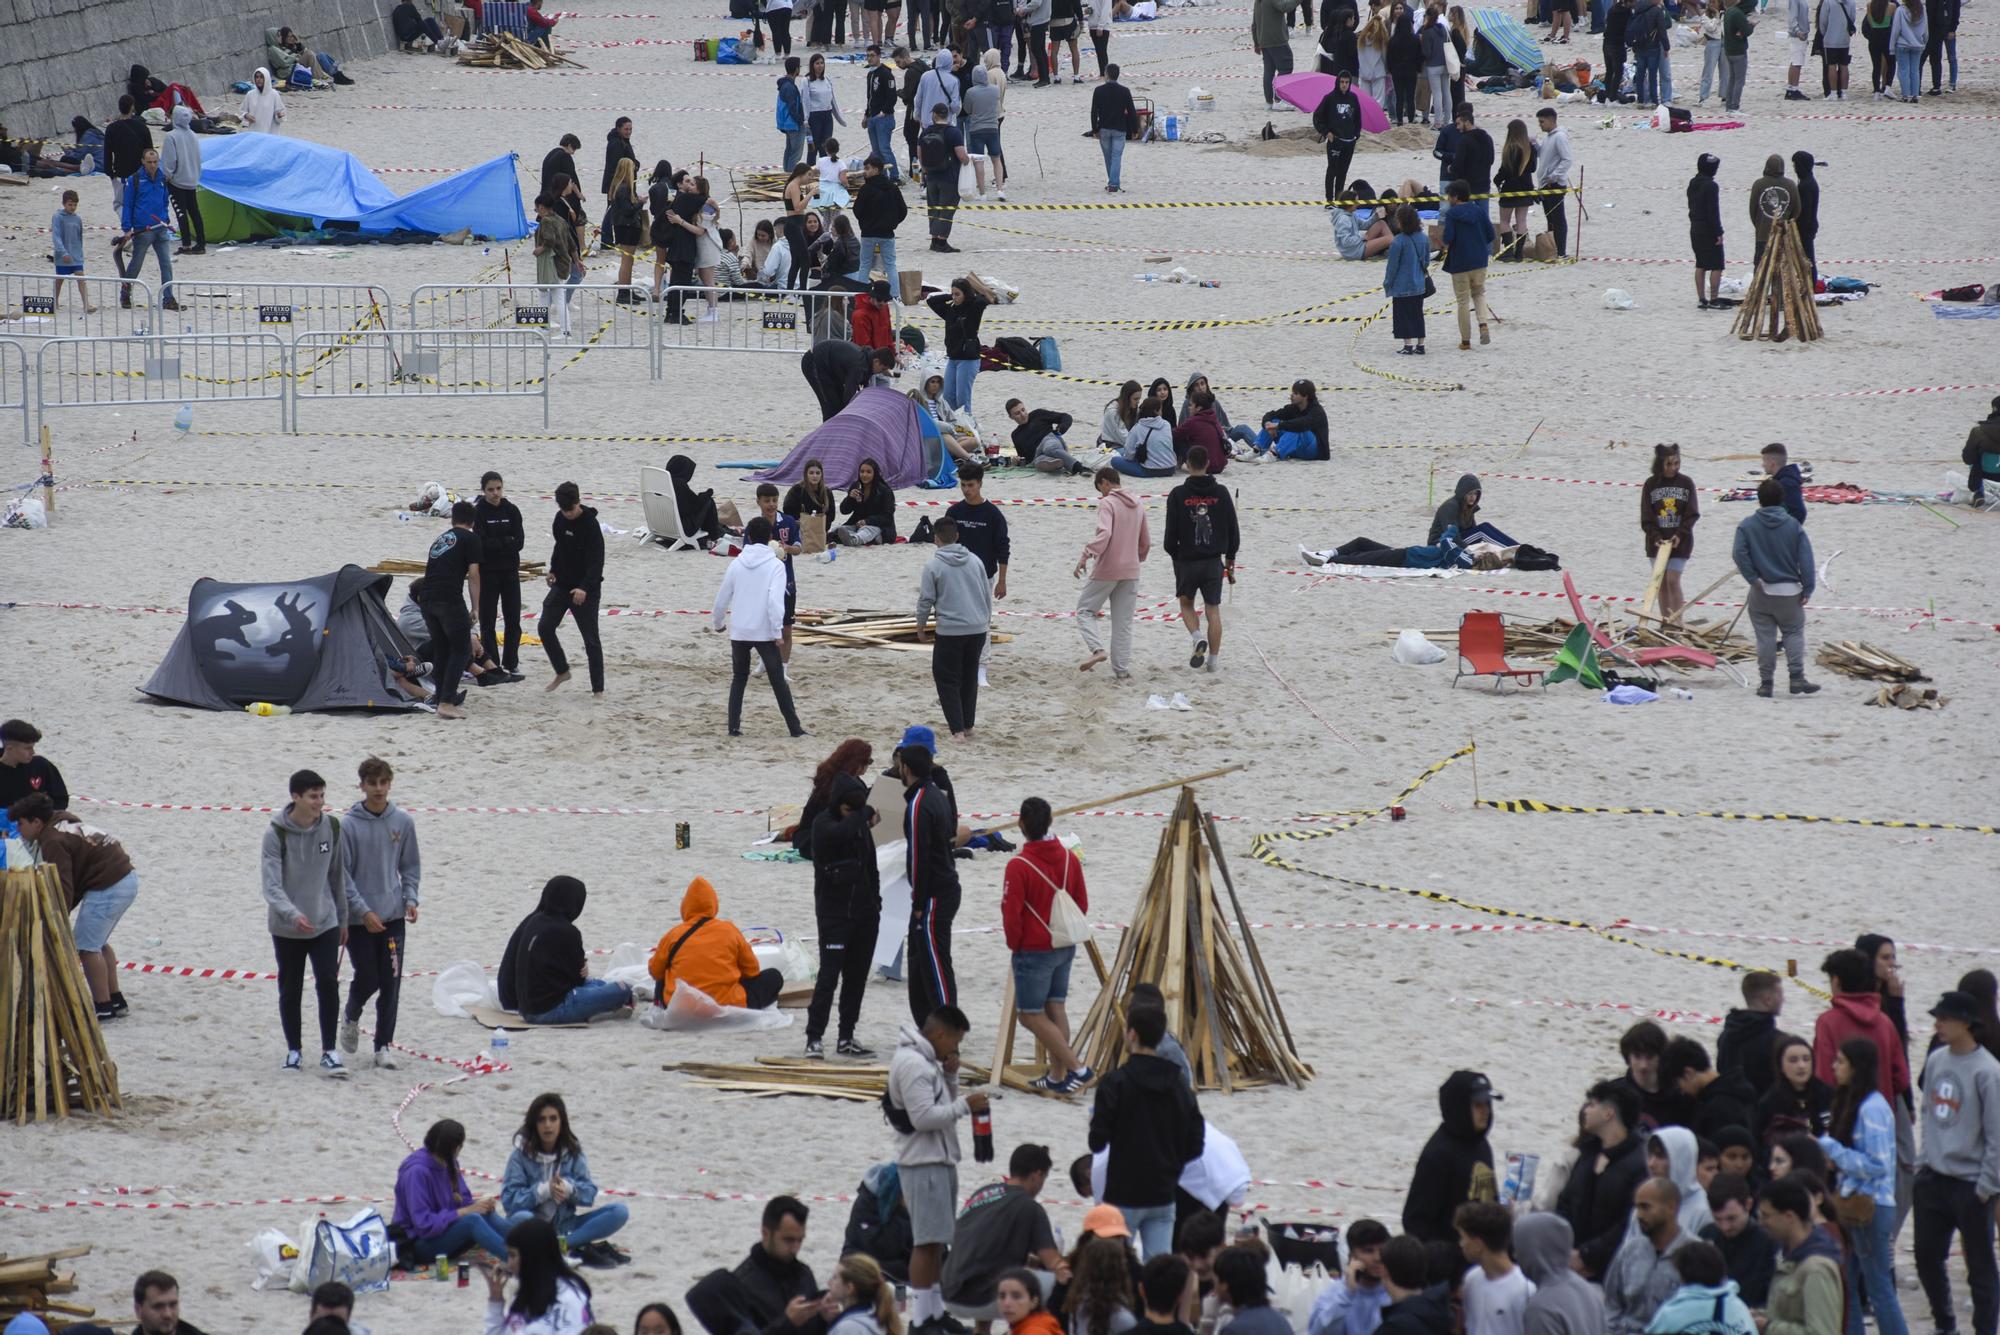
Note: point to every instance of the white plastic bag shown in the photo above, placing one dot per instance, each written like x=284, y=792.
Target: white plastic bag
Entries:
x=783, y=954
x=1413, y=650
x=277, y=1256
x=630, y=965
x=25, y=512
x=1618, y=299
x=460, y=985
x=691, y=1010
x=356, y=1253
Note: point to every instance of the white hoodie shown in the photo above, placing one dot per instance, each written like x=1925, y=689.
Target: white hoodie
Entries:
x=753, y=596
x=263, y=108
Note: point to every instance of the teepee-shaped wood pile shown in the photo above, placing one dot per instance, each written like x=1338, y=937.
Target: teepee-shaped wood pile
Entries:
x=1779, y=302
x=1220, y=1000
x=52, y=1055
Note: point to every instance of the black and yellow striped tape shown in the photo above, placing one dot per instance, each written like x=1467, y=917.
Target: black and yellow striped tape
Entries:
x=1524, y=806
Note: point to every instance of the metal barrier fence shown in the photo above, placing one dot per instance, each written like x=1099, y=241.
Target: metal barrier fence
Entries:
x=15, y=383
x=744, y=320
x=598, y=319
x=32, y=308
x=282, y=309
x=160, y=368
x=421, y=363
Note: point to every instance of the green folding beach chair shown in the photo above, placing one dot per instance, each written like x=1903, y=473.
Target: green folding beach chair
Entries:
x=1577, y=659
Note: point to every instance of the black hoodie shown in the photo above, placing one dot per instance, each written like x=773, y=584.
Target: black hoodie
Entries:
x=1752, y=1258
x=1808, y=186
x=1705, y=202
x=1727, y=1100
x=1147, y=1117
x=847, y=888
x=930, y=824
x=1426, y=1313
x=1456, y=1165
x=1597, y=1204
x=1455, y=510
x=616, y=146
x=556, y=162
x=577, y=560
x=1747, y=1045
x=1311, y=418
x=501, y=536
x=1041, y=424
x=879, y=207
x=697, y=508
x=544, y=958
x=1201, y=524
x=1784, y=1111
x=1339, y=112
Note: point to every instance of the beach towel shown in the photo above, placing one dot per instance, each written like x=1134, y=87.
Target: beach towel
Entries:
x=1966, y=312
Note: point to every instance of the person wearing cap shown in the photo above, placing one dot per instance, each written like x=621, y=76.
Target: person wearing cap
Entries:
x=1456, y=1165
x=1705, y=230
x=928, y=820
x=1958, y=1167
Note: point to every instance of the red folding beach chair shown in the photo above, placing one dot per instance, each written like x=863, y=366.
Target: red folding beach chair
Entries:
x=1638, y=657
x=1482, y=642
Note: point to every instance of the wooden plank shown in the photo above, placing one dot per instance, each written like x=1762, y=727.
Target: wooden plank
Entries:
x=1125, y=796
x=1173, y=978
x=1204, y=952
x=1266, y=992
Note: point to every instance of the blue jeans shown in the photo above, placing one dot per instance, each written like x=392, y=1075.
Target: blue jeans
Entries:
x=1112, y=144
x=593, y=996
x=471, y=1230
x=157, y=238
x=1153, y=1225
x=595, y=1226
x=1041, y=976
x=959, y=373
x=871, y=246
x=1711, y=58
x=1909, y=73
x=1868, y=1263
x=795, y=147
x=1648, y=63
x=1132, y=468
x=100, y=912
x=327, y=62
x=1242, y=433
x=1598, y=9
x=882, y=142
x=1666, y=75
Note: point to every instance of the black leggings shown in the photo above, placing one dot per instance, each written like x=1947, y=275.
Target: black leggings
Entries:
x=1038, y=38
x=1338, y=156
x=846, y=952
x=955, y=669
x=450, y=626
x=500, y=591
x=795, y=240
x=774, y=669
x=781, y=31
x=187, y=207
x=378, y=973
x=324, y=952
x=1405, y=93
x=1101, y=39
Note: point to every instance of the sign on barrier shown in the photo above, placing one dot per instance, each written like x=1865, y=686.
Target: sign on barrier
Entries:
x=31, y=307
x=421, y=363
x=741, y=320
x=159, y=368
x=283, y=309
x=14, y=384
x=598, y=318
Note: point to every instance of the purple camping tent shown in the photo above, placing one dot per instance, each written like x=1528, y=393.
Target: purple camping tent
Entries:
x=880, y=424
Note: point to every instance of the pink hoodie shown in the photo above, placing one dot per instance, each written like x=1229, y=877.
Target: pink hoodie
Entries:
x=1121, y=541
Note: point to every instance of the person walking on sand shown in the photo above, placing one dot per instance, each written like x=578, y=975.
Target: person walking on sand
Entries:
x=382, y=868
x=1669, y=508
x=1201, y=538
x=1114, y=120
x=1118, y=548
x=1468, y=247
x=453, y=564
x=953, y=584
x=305, y=891
x=576, y=584
x=752, y=598
x=1775, y=558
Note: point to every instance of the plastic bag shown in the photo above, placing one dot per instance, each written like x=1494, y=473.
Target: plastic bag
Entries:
x=277, y=1256
x=460, y=985
x=629, y=964
x=691, y=1010
x=1618, y=299
x=1413, y=650
x=356, y=1253
x=782, y=954
x=1629, y=695
x=25, y=512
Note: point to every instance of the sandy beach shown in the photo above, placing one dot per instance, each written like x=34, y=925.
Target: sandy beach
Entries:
x=1386, y=990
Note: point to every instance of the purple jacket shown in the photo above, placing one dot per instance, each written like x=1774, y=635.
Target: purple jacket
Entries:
x=428, y=1195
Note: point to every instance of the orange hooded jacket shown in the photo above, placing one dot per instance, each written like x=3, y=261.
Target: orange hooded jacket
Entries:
x=716, y=958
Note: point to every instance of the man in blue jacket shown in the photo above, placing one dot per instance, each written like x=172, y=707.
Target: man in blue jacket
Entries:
x=147, y=216
x=1775, y=558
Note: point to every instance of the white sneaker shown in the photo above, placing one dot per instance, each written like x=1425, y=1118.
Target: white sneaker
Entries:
x=981, y=197
x=1157, y=702
x=385, y=1060
x=1000, y=195
x=330, y=1063
x=756, y=667
x=1180, y=701
x=1215, y=661
x=982, y=678
x=707, y=318
x=350, y=1035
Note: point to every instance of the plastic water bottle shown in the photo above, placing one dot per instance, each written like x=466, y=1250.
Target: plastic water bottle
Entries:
x=1682, y=693
x=265, y=709
x=184, y=418
x=828, y=556
x=499, y=1043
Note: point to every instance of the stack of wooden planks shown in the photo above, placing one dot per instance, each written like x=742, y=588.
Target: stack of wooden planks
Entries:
x=1905, y=696
x=857, y=628
x=1528, y=639
x=498, y=50
x=1779, y=302
x=52, y=1056
x=33, y=1284
x=1852, y=658
x=761, y=187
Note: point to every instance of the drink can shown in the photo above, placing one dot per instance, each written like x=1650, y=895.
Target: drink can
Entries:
x=444, y=1267
x=1397, y=813
x=683, y=835
x=464, y=1274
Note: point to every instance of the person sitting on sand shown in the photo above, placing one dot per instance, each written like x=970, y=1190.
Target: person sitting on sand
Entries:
x=1149, y=444
x=548, y=1178
x=544, y=972
x=1038, y=439
x=811, y=495
x=1297, y=430
x=879, y=1223
x=1203, y=424
x=869, y=510
x=540, y=28
x=1190, y=404
x=436, y=1212
x=770, y=1289
x=1358, y=238
x=954, y=431
x=709, y=954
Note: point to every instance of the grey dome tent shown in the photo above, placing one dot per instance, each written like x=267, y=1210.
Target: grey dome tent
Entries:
x=323, y=643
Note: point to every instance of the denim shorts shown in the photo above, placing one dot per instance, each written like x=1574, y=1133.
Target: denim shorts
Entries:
x=1041, y=976
x=984, y=141
x=1677, y=564
x=100, y=912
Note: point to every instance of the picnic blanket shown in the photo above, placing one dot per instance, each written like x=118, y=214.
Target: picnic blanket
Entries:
x=1966, y=312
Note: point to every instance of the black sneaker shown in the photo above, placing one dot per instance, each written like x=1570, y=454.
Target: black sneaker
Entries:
x=118, y=1004
x=106, y=1011
x=1764, y=689
x=849, y=1048
x=1800, y=686
x=815, y=1050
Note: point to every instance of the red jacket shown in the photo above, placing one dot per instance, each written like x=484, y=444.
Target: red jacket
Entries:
x=1033, y=875
x=871, y=324
x=1859, y=1015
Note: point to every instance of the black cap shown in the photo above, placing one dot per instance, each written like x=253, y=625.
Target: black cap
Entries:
x=1957, y=1006
x=1480, y=1089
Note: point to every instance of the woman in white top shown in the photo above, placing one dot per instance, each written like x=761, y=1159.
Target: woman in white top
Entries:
x=1120, y=416
x=822, y=107
x=263, y=107
x=549, y=1297
x=708, y=254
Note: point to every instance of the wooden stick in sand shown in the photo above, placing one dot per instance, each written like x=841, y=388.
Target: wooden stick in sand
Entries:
x=1121, y=797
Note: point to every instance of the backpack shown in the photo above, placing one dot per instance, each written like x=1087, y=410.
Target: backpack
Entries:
x=1051, y=355
x=922, y=532
x=936, y=147
x=787, y=122
x=1527, y=557
x=1022, y=352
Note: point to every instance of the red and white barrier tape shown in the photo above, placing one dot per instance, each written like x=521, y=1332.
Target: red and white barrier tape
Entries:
x=1664, y=1016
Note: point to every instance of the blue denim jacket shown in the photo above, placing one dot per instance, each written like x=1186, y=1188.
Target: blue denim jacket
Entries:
x=1403, y=276
x=1870, y=1163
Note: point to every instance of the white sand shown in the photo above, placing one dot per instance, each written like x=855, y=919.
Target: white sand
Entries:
x=210, y=1118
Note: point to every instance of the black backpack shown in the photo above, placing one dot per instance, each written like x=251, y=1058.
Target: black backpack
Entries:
x=1527, y=557
x=1022, y=352
x=922, y=532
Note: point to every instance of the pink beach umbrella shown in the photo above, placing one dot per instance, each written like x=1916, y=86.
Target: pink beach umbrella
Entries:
x=1307, y=91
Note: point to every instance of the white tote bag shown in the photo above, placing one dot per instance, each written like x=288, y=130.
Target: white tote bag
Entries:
x=1067, y=924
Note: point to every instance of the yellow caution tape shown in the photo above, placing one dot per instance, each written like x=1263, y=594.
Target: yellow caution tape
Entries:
x=1523, y=806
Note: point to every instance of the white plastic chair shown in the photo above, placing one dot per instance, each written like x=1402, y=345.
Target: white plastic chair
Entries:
x=663, y=514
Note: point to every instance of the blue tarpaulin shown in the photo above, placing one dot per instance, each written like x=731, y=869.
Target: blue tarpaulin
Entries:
x=279, y=174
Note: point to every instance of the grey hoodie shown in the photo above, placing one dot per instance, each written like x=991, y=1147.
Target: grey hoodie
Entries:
x=378, y=858
x=1564, y=1303
x=302, y=876
x=1187, y=401
x=180, y=156
x=928, y=1094
x=1449, y=513
x=1771, y=548
x=954, y=584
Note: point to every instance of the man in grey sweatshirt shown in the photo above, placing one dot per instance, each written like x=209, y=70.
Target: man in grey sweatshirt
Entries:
x=306, y=894
x=180, y=163
x=378, y=857
x=954, y=585
x=1958, y=1171
x=1775, y=558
